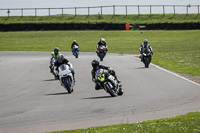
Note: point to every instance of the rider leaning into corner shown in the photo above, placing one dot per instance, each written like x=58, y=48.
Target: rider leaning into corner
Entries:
x=102, y=41
x=54, y=55
x=61, y=60
x=74, y=43
x=144, y=45
x=96, y=66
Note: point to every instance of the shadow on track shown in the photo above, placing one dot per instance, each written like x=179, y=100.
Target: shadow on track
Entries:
x=101, y=97
x=50, y=80
x=140, y=68
x=64, y=93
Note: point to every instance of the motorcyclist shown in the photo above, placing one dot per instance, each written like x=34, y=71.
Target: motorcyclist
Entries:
x=96, y=66
x=54, y=55
x=144, y=45
x=102, y=41
x=61, y=60
x=74, y=43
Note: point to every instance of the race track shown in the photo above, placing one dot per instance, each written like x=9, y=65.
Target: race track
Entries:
x=31, y=101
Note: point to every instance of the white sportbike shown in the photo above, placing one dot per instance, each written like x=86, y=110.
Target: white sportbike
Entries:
x=65, y=76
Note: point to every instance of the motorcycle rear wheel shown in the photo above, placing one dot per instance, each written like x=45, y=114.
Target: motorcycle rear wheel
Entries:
x=120, y=92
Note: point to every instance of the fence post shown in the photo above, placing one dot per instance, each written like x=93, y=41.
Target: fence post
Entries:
x=8, y=13
x=21, y=12
x=49, y=12
x=138, y=10
x=174, y=10
x=35, y=12
x=126, y=10
x=75, y=11
x=163, y=10
x=187, y=9
x=113, y=9
x=150, y=10
x=62, y=12
x=101, y=10
x=88, y=11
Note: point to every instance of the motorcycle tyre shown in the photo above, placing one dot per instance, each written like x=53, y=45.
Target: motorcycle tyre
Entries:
x=109, y=90
x=120, y=92
x=68, y=87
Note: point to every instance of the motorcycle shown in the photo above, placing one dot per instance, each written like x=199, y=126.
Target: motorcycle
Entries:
x=146, y=57
x=108, y=82
x=66, y=77
x=101, y=52
x=52, y=62
x=75, y=50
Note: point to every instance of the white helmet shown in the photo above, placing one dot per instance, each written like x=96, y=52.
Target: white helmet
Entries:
x=102, y=40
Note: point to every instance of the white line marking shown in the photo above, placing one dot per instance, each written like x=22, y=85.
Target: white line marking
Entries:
x=172, y=73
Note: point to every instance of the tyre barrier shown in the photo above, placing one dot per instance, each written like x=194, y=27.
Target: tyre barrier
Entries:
x=61, y=26
x=168, y=26
x=97, y=26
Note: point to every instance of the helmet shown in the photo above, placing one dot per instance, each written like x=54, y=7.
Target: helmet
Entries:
x=145, y=41
x=95, y=63
x=74, y=41
x=102, y=40
x=56, y=50
x=60, y=58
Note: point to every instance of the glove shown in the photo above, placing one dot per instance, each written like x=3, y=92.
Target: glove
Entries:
x=109, y=68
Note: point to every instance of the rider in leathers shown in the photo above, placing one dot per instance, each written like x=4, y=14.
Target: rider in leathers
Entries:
x=141, y=49
x=102, y=41
x=54, y=55
x=61, y=60
x=96, y=66
x=74, y=43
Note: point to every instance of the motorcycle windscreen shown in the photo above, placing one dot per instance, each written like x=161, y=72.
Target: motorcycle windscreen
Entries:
x=63, y=67
x=146, y=50
x=100, y=75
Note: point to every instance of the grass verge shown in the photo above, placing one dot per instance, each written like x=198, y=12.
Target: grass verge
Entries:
x=132, y=19
x=189, y=123
x=177, y=51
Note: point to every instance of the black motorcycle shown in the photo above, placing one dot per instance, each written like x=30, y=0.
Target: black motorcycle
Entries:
x=147, y=57
x=101, y=52
x=108, y=82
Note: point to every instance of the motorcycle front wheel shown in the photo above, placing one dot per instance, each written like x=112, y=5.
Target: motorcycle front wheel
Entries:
x=110, y=90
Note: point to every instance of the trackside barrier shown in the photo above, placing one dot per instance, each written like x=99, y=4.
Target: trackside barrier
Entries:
x=97, y=26
x=61, y=26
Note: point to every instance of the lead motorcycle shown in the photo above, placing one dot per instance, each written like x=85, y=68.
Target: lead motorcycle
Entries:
x=101, y=52
x=66, y=78
x=147, y=57
x=108, y=82
x=75, y=51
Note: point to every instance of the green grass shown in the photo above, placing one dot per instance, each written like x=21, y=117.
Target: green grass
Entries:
x=132, y=19
x=189, y=123
x=178, y=51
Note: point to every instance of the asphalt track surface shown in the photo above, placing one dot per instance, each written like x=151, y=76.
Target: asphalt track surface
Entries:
x=31, y=101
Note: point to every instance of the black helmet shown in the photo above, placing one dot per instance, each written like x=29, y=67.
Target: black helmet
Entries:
x=60, y=58
x=145, y=41
x=95, y=63
x=56, y=50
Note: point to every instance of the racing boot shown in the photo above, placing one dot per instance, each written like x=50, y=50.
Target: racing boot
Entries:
x=97, y=87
